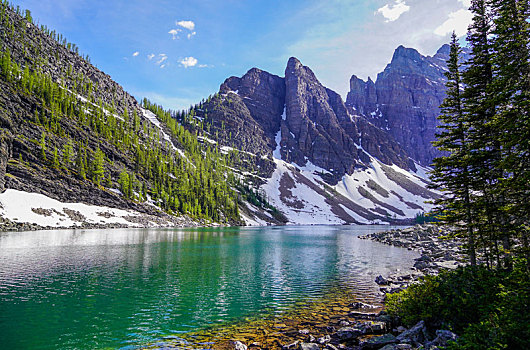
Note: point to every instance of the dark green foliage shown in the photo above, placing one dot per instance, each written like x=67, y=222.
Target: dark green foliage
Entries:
x=488, y=308
x=452, y=173
x=422, y=218
x=485, y=131
x=191, y=180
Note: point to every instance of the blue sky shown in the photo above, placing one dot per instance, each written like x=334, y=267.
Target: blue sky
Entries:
x=178, y=52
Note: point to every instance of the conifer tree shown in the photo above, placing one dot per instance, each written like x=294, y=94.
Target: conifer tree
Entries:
x=451, y=174
x=80, y=164
x=511, y=85
x=43, y=147
x=99, y=164
x=483, y=138
x=56, y=163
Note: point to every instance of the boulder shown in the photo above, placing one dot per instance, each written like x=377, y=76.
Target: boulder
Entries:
x=237, y=345
x=442, y=339
x=360, y=305
x=325, y=339
x=380, y=280
x=308, y=346
x=378, y=342
x=347, y=333
x=416, y=335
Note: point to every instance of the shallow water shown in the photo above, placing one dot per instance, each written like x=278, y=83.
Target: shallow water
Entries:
x=88, y=289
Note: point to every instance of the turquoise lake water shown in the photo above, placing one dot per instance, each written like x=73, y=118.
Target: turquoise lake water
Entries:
x=123, y=288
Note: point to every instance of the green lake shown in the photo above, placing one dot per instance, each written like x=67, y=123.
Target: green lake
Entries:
x=124, y=288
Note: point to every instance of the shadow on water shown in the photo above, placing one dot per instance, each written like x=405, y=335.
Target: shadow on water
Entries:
x=127, y=287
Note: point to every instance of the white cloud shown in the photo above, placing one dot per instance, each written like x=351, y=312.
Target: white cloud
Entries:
x=457, y=21
x=174, y=33
x=188, y=62
x=189, y=25
x=363, y=48
x=393, y=11
x=466, y=3
x=161, y=58
x=136, y=54
x=191, y=34
x=151, y=56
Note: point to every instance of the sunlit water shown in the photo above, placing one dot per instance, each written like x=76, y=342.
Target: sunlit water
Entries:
x=88, y=289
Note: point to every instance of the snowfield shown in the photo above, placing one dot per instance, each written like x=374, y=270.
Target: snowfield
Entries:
x=378, y=194
x=35, y=208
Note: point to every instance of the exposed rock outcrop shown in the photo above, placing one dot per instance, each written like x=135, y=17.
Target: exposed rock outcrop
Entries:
x=310, y=121
x=5, y=150
x=405, y=99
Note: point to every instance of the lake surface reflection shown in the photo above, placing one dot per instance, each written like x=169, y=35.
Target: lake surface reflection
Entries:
x=89, y=289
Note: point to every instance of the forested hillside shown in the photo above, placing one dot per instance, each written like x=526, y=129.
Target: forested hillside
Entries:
x=70, y=132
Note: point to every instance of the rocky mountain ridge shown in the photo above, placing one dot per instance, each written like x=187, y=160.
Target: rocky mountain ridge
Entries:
x=73, y=134
x=313, y=158
x=404, y=100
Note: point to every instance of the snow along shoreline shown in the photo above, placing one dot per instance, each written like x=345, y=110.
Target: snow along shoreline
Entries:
x=25, y=211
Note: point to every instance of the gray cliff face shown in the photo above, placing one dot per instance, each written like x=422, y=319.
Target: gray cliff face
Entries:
x=405, y=99
x=263, y=95
x=314, y=123
x=5, y=150
x=322, y=130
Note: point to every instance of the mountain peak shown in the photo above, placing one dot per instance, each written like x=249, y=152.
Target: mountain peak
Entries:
x=445, y=49
x=293, y=61
x=293, y=65
x=403, y=52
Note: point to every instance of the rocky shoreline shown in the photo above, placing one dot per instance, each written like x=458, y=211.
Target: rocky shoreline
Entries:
x=140, y=221
x=437, y=253
x=341, y=321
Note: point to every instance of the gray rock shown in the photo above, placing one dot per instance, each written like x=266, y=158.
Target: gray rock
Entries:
x=309, y=346
x=389, y=347
x=380, y=280
x=442, y=339
x=404, y=347
x=401, y=329
x=378, y=342
x=347, y=333
x=5, y=152
x=361, y=305
x=404, y=99
x=416, y=335
x=239, y=345
x=325, y=339
x=291, y=346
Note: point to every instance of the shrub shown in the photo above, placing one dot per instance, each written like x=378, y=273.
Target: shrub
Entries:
x=489, y=309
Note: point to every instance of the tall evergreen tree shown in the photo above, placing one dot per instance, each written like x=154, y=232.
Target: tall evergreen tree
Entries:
x=483, y=137
x=451, y=172
x=511, y=86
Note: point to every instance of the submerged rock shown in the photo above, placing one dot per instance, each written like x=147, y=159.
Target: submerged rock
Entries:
x=309, y=346
x=378, y=342
x=239, y=345
x=347, y=333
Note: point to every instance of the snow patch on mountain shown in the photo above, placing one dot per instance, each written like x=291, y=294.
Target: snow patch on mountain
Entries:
x=36, y=208
x=296, y=199
x=378, y=193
